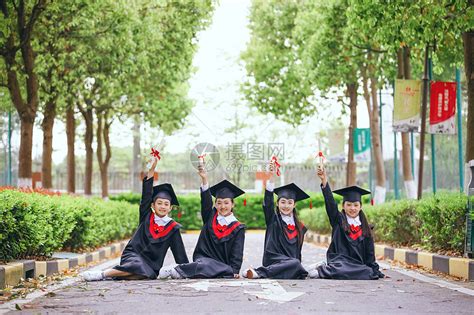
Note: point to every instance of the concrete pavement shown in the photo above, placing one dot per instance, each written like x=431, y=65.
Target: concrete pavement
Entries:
x=405, y=292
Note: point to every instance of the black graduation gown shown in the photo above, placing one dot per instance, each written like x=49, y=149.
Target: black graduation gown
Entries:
x=347, y=258
x=146, y=250
x=218, y=253
x=282, y=253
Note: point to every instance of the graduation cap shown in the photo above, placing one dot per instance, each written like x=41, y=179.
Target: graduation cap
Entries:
x=226, y=189
x=351, y=193
x=291, y=191
x=165, y=191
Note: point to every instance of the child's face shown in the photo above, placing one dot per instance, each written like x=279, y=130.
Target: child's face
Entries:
x=352, y=209
x=286, y=206
x=224, y=206
x=161, y=206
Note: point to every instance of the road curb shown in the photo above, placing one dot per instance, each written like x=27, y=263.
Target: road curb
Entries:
x=13, y=272
x=454, y=266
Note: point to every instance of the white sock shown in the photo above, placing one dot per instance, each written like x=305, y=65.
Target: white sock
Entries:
x=165, y=272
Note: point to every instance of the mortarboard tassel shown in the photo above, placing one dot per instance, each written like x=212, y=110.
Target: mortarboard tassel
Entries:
x=245, y=202
x=311, y=204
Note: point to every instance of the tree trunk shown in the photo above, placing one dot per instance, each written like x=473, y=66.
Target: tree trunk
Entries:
x=351, y=164
x=71, y=159
x=26, y=110
x=468, y=39
x=88, y=138
x=21, y=29
x=136, y=167
x=103, y=129
x=370, y=96
x=26, y=145
x=47, y=126
x=379, y=196
x=404, y=72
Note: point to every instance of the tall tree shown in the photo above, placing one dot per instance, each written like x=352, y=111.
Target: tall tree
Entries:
x=276, y=76
x=330, y=60
x=288, y=59
x=18, y=22
x=403, y=29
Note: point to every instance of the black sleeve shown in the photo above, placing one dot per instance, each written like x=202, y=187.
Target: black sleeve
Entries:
x=177, y=248
x=145, y=202
x=206, y=205
x=331, y=206
x=370, y=257
x=237, y=252
x=268, y=207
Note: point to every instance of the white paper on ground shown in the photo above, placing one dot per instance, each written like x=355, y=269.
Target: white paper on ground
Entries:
x=271, y=289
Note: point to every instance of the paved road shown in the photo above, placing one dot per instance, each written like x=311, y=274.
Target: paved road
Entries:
x=404, y=292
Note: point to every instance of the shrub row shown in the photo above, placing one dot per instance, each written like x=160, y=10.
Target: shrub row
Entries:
x=33, y=224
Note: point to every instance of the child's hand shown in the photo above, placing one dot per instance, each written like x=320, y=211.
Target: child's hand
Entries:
x=322, y=175
x=153, y=161
x=151, y=170
x=236, y=276
x=202, y=173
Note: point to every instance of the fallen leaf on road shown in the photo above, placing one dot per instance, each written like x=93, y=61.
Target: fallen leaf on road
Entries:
x=28, y=306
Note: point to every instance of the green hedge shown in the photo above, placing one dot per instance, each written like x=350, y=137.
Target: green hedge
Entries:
x=33, y=224
x=435, y=223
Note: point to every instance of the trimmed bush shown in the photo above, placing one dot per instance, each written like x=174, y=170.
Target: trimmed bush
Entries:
x=35, y=224
x=435, y=223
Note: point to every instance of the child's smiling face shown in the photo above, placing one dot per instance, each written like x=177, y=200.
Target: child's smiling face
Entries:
x=162, y=207
x=352, y=209
x=224, y=206
x=286, y=206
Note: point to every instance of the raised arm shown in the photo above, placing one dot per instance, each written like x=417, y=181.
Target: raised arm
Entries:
x=147, y=191
x=206, y=198
x=268, y=205
x=268, y=201
x=331, y=206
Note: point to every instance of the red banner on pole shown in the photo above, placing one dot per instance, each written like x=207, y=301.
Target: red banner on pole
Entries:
x=443, y=107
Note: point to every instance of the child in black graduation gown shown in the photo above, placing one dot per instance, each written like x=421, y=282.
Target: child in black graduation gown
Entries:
x=284, y=234
x=143, y=256
x=219, y=250
x=351, y=252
